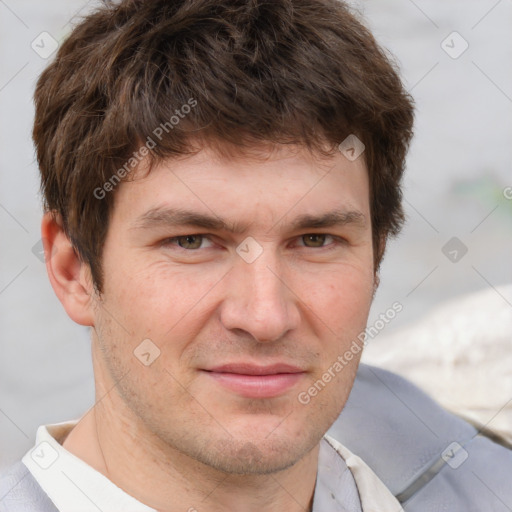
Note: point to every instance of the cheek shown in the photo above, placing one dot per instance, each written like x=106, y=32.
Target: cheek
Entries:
x=339, y=312
x=342, y=299
x=164, y=303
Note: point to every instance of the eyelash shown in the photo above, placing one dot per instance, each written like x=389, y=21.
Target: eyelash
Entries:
x=337, y=241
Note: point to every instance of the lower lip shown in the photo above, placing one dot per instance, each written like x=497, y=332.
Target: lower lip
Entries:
x=257, y=386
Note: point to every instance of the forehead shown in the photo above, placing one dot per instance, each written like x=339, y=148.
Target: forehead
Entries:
x=265, y=186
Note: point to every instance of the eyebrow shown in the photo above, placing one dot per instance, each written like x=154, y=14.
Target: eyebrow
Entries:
x=173, y=217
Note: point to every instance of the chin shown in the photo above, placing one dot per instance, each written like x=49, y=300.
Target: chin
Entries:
x=246, y=452
x=253, y=458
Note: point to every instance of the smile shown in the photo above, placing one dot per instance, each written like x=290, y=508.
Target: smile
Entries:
x=252, y=381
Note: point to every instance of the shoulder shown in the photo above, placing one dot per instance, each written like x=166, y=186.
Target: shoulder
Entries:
x=374, y=495
x=428, y=457
x=20, y=492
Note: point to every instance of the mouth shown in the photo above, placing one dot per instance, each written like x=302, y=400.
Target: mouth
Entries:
x=253, y=381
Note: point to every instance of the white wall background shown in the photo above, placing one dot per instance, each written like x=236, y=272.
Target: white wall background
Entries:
x=459, y=168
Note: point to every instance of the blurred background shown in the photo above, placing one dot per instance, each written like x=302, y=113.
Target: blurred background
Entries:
x=455, y=59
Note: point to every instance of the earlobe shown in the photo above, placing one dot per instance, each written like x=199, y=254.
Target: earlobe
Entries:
x=69, y=276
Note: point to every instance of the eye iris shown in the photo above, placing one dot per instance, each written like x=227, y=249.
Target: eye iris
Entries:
x=317, y=240
x=190, y=241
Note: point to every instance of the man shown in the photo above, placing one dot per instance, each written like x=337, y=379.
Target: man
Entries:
x=220, y=179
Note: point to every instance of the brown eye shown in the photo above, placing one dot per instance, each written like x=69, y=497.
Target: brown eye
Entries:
x=314, y=240
x=189, y=241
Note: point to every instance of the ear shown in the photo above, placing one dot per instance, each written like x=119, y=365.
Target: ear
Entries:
x=69, y=276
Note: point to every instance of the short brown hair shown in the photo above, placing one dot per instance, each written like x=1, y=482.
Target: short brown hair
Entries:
x=256, y=72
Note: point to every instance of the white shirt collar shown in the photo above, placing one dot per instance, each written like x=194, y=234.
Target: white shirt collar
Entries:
x=72, y=484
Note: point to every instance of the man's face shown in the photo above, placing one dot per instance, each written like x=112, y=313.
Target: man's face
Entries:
x=243, y=325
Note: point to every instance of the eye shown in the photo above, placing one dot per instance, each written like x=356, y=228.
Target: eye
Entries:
x=188, y=242
x=315, y=240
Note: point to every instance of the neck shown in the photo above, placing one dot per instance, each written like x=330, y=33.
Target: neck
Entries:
x=114, y=442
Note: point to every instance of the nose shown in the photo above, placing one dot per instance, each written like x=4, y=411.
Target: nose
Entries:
x=259, y=299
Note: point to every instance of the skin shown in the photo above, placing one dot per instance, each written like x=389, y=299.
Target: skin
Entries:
x=190, y=441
